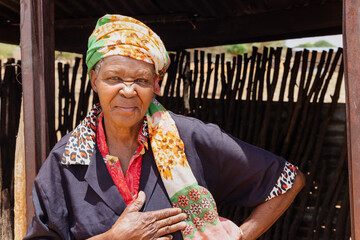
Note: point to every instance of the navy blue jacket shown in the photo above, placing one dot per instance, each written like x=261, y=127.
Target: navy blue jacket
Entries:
x=77, y=201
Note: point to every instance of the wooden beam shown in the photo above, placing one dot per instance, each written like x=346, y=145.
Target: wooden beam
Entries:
x=351, y=37
x=89, y=23
x=65, y=8
x=8, y=15
x=80, y=29
x=313, y=20
x=10, y=33
x=37, y=55
x=11, y=6
x=179, y=31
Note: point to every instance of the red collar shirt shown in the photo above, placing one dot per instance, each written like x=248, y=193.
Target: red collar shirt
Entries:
x=127, y=184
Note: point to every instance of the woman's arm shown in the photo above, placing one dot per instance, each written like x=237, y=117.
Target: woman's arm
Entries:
x=265, y=214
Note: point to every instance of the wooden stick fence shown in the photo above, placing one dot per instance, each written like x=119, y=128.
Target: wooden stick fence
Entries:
x=74, y=95
x=10, y=95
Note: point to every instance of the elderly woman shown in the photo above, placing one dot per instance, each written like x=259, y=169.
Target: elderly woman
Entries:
x=133, y=170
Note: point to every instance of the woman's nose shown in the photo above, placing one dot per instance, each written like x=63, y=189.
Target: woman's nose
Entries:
x=127, y=89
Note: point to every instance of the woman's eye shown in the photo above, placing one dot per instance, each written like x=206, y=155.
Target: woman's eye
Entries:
x=113, y=79
x=141, y=81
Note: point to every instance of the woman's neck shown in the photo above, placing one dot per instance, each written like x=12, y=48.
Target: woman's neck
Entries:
x=121, y=135
x=122, y=142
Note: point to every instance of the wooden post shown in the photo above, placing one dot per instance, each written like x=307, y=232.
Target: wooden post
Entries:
x=351, y=34
x=37, y=55
x=19, y=183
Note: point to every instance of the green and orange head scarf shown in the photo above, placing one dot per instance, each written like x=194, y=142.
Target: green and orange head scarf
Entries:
x=126, y=36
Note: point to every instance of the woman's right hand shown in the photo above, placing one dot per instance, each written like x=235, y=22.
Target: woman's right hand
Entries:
x=135, y=225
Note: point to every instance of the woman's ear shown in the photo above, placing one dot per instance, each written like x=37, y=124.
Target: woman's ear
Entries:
x=93, y=77
x=157, y=86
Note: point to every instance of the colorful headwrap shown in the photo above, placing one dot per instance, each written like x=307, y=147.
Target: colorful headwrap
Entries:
x=126, y=36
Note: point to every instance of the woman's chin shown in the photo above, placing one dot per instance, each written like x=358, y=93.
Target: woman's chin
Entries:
x=127, y=119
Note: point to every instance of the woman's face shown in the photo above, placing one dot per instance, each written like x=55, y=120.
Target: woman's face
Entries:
x=125, y=87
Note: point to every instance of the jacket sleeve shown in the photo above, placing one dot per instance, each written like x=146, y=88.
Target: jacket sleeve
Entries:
x=235, y=172
x=50, y=213
x=39, y=226
x=246, y=174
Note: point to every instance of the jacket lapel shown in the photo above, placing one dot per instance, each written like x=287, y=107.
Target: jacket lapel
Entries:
x=99, y=179
x=149, y=176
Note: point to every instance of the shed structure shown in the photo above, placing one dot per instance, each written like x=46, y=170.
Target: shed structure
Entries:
x=41, y=26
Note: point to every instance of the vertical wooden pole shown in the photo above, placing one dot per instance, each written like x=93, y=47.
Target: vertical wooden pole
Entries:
x=37, y=55
x=19, y=183
x=351, y=35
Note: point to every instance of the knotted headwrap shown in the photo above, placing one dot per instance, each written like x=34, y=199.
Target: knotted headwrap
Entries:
x=126, y=36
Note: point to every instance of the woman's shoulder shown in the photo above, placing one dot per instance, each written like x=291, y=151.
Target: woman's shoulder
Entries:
x=185, y=119
x=60, y=145
x=62, y=142
x=53, y=159
x=191, y=124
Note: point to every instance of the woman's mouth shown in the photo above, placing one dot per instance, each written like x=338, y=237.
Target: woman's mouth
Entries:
x=125, y=108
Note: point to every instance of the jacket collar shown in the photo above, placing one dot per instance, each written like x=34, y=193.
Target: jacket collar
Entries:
x=149, y=176
x=81, y=145
x=99, y=179
x=82, y=150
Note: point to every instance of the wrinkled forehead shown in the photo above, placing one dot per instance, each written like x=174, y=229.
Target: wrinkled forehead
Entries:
x=124, y=65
